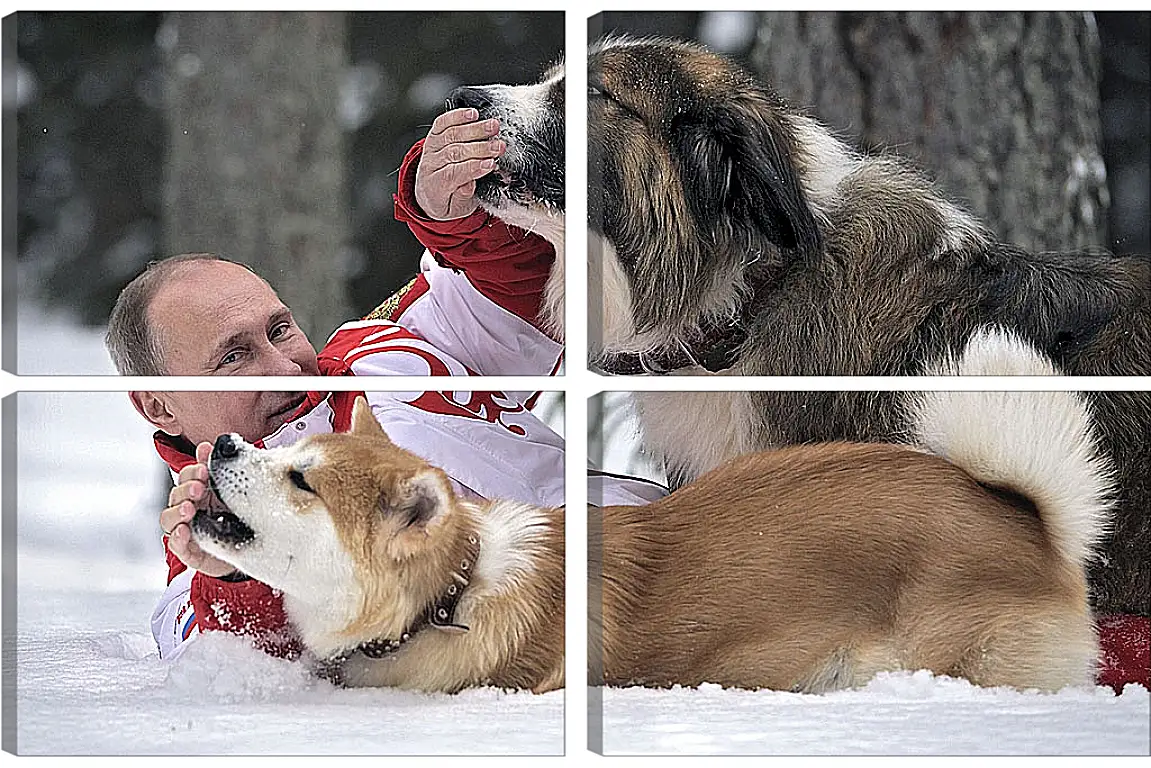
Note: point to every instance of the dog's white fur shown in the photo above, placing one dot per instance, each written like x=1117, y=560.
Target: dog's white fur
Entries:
x=1038, y=443
x=520, y=110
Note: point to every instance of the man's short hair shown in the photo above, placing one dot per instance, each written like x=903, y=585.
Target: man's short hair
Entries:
x=134, y=348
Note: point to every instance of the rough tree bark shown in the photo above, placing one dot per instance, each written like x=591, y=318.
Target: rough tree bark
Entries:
x=255, y=167
x=1001, y=108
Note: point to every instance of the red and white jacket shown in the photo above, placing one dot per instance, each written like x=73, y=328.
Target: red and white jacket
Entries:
x=473, y=310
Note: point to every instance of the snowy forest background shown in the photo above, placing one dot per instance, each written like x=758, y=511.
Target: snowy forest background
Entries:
x=113, y=168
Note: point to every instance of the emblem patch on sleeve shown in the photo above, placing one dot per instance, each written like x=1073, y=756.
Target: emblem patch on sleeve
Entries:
x=388, y=306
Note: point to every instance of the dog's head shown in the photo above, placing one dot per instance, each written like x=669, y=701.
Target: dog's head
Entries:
x=348, y=522
x=528, y=181
x=692, y=173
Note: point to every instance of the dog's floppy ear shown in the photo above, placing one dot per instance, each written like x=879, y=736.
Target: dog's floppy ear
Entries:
x=737, y=168
x=364, y=421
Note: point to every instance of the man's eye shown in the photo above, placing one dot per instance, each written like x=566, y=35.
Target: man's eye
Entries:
x=279, y=331
x=232, y=357
x=298, y=480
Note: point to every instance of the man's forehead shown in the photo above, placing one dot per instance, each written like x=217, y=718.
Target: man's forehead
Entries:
x=209, y=270
x=202, y=283
x=201, y=304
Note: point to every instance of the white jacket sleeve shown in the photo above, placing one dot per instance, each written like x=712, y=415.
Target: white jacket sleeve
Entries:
x=174, y=619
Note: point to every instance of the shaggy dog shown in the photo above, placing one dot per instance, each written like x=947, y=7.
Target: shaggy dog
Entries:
x=730, y=233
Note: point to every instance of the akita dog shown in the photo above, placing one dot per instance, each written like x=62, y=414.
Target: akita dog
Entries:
x=813, y=567
x=389, y=578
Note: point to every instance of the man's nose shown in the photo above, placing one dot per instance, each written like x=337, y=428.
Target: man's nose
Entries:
x=276, y=363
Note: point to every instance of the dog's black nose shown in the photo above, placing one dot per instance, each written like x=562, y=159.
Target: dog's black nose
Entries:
x=467, y=96
x=225, y=448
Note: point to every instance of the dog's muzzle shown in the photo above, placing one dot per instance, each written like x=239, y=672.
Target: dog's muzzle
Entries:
x=217, y=521
x=220, y=523
x=469, y=96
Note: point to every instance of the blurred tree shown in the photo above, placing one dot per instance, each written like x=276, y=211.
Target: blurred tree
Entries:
x=88, y=151
x=1002, y=107
x=255, y=165
x=91, y=111
x=1125, y=96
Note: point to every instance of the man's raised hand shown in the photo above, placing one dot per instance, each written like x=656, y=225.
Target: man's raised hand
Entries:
x=458, y=149
x=190, y=494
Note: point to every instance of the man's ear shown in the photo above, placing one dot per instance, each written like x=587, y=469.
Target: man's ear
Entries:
x=364, y=421
x=154, y=407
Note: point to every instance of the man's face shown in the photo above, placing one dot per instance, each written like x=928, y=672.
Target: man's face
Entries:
x=215, y=318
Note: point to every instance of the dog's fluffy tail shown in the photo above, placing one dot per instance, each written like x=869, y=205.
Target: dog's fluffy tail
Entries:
x=1037, y=444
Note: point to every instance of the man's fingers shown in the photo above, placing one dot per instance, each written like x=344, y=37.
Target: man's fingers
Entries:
x=192, y=472
x=189, y=490
x=454, y=126
x=203, y=452
x=446, y=120
x=449, y=193
x=450, y=178
x=172, y=516
x=460, y=152
x=190, y=554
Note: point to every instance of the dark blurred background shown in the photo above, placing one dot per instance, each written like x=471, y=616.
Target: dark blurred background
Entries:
x=92, y=118
x=92, y=97
x=896, y=62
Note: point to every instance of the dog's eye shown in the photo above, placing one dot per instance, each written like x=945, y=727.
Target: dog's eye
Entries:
x=594, y=93
x=298, y=480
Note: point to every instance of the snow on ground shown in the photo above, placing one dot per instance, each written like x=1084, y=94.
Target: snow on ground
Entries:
x=896, y=714
x=90, y=568
x=90, y=682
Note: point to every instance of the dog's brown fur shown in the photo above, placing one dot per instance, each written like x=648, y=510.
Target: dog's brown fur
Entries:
x=830, y=262
x=402, y=533
x=516, y=635
x=812, y=568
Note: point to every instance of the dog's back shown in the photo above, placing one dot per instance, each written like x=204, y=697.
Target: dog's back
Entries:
x=813, y=567
x=776, y=249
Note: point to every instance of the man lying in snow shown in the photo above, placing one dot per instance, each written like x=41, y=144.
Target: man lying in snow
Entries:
x=474, y=309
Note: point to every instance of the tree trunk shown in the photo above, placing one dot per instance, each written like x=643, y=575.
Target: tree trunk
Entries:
x=255, y=167
x=1001, y=108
